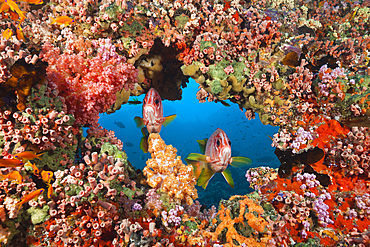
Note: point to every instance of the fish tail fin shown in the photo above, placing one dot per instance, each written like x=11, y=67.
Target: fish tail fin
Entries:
x=52, y=20
x=168, y=120
x=18, y=206
x=139, y=122
x=38, y=156
x=229, y=179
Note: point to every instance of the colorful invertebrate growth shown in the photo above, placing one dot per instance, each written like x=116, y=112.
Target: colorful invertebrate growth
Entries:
x=300, y=65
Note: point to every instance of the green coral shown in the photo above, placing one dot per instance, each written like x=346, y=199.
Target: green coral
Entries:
x=216, y=71
x=355, y=93
x=74, y=189
x=215, y=85
x=181, y=20
x=54, y=157
x=113, y=150
x=38, y=215
x=206, y=45
x=112, y=11
x=133, y=26
x=39, y=100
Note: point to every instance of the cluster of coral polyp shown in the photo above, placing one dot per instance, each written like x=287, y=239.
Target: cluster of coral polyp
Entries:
x=166, y=172
x=301, y=65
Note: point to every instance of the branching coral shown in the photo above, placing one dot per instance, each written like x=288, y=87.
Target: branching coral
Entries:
x=88, y=85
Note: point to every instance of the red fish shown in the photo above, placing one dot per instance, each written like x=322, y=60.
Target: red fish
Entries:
x=216, y=158
x=152, y=115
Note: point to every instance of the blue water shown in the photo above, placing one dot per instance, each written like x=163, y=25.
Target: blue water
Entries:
x=197, y=121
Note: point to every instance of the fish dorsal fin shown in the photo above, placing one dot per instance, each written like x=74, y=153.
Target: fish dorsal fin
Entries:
x=205, y=176
x=139, y=122
x=229, y=179
x=240, y=161
x=202, y=145
x=197, y=157
x=168, y=120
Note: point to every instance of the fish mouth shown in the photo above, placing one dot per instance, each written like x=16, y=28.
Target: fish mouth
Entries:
x=154, y=128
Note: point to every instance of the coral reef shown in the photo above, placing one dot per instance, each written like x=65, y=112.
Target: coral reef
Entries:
x=301, y=65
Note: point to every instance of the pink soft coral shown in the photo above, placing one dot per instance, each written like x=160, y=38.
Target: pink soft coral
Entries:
x=89, y=85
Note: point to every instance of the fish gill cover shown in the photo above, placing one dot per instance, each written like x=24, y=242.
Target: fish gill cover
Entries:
x=302, y=66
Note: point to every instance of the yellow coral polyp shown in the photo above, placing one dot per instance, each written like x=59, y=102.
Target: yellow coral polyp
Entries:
x=166, y=171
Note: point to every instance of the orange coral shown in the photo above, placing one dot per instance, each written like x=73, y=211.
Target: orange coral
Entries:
x=258, y=223
x=166, y=171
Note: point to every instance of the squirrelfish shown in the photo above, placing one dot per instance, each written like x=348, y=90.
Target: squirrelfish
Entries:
x=216, y=158
x=7, y=33
x=27, y=155
x=13, y=175
x=29, y=197
x=152, y=116
x=11, y=162
x=60, y=20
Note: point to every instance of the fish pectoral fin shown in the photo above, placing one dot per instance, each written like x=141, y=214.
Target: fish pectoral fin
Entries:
x=139, y=122
x=197, y=167
x=168, y=120
x=229, y=179
x=240, y=161
x=202, y=145
x=145, y=132
x=144, y=144
x=197, y=157
x=204, y=177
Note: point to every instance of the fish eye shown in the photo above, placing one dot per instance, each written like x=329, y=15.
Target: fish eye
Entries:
x=156, y=101
x=218, y=143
